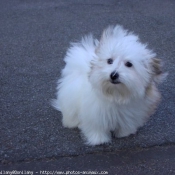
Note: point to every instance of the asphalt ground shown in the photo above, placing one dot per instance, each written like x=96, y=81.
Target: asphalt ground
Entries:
x=34, y=36
x=152, y=161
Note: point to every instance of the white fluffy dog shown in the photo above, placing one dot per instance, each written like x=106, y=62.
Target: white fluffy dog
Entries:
x=108, y=85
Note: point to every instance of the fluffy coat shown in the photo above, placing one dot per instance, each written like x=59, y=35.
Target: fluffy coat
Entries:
x=97, y=105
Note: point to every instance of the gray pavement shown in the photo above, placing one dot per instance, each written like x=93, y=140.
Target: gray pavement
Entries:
x=138, y=161
x=34, y=36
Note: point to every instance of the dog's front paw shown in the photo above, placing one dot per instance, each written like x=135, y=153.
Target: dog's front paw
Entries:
x=98, y=139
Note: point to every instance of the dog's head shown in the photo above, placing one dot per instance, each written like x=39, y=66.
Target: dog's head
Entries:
x=124, y=67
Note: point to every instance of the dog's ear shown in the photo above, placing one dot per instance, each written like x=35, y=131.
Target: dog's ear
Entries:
x=156, y=66
x=158, y=74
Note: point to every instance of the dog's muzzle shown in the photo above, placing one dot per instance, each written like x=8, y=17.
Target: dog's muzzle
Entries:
x=114, y=78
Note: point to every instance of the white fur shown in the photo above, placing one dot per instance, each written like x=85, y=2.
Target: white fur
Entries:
x=87, y=98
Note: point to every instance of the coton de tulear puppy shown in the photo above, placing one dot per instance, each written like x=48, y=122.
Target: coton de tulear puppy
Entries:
x=108, y=85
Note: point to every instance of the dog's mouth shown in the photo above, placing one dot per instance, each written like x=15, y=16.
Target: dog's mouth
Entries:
x=115, y=82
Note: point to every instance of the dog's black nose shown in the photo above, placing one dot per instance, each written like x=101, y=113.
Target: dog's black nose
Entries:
x=114, y=76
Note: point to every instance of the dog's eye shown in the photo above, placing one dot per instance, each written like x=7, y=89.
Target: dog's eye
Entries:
x=110, y=61
x=128, y=64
